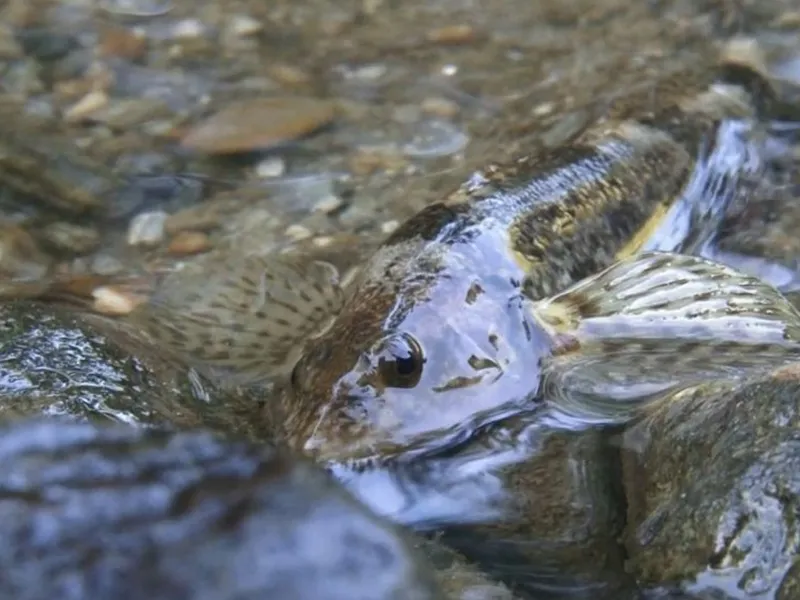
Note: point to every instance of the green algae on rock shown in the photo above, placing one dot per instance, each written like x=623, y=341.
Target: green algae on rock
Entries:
x=712, y=479
x=562, y=512
x=89, y=512
x=458, y=578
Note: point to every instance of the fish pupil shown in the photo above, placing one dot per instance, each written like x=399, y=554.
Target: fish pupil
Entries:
x=401, y=362
x=405, y=365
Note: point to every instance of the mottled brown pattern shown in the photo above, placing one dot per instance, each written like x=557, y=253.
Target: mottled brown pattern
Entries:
x=534, y=226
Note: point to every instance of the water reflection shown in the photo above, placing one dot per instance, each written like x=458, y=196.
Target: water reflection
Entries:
x=533, y=504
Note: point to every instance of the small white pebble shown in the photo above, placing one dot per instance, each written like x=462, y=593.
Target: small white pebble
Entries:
x=449, y=70
x=298, y=232
x=244, y=25
x=110, y=301
x=271, y=167
x=374, y=71
x=543, y=109
x=389, y=226
x=147, y=229
x=329, y=204
x=323, y=241
x=90, y=103
x=188, y=29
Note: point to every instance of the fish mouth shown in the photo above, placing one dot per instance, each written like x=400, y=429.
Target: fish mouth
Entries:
x=428, y=487
x=439, y=444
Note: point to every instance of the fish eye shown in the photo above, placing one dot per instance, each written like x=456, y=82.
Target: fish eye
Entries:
x=400, y=361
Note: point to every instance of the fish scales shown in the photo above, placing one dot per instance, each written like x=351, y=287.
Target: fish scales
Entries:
x=439, y=328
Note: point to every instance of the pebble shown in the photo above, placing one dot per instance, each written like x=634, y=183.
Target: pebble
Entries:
x=244, y=25
x=258, y=123
x=329, y=204
x=271, y=167
x=789, y=20
x=388, y=227
x=104, y=264
x=365, y=162
x=543, y=109
x=440, y=107
x=147, y=229
x=298, y=232
x=434, y=139
x=322, y=241
x=109, y=300
x=288, y=75
x=120, y=42
x=86, y=106
x=188, y=29
x=70, y=90
x=367, y=72
x=189, y=242
x=452, y=35
x=126, y=113
x=137, y=8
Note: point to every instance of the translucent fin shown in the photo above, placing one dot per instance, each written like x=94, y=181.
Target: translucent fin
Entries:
x=656, y=323
x=242, y=321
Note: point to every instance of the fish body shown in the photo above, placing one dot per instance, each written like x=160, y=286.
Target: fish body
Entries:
x=439, y=333
x=504, y=296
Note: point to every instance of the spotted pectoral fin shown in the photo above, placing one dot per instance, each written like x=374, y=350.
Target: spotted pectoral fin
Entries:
x=242, y=321
x=649, y=325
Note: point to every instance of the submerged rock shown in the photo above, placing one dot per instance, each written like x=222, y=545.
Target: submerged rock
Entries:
x=258, y=123
x=562, y=513
x=89, y=513
x=712, y=478
x=537, y=508
x=53, y=362
x=458, y=578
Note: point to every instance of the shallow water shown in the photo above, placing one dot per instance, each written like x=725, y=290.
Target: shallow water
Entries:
x=419, y=111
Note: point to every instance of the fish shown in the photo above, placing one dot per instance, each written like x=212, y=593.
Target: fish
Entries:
x=448, y=328
x=707, y=321
x=239, y=321
x=504, y=296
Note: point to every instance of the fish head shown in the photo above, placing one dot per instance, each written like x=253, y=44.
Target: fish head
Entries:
x=415, y=363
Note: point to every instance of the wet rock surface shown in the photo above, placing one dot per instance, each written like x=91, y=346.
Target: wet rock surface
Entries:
x=55, y=363
x=458, y=578
x=560, y=513
x=396, y=103
x=113, y=512
x=711, y=477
